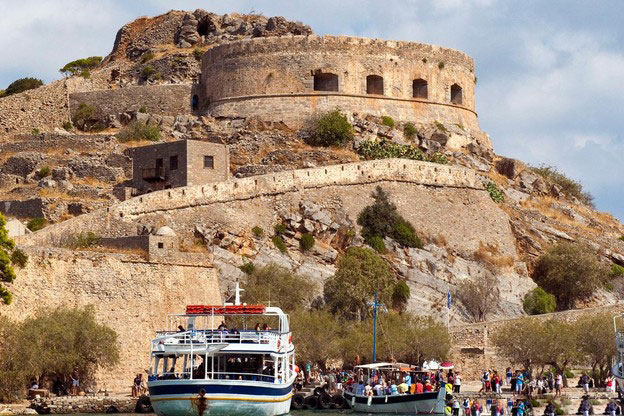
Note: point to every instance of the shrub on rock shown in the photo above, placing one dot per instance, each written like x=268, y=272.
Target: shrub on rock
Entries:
x=538, y=301
x=137, y=131
x=21, y=85
x=329, y=129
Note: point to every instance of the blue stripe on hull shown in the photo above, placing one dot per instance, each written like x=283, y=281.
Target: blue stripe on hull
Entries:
x=174, y=389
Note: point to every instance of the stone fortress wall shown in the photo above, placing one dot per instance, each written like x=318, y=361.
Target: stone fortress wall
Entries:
x=130, y=294
x=288, y=78
x=119, y=219
x=167, y=99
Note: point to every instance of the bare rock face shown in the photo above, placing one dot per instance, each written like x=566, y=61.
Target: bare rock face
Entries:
x=22, y=165
x=188, y=35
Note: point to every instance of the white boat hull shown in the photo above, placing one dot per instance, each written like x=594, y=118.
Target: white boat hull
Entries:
x=424, y=403
x=221, y=397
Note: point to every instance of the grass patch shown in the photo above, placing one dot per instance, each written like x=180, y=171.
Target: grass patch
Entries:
x=440, y=65
x=569, y=186
x=279, y=228
x=409, y=130
x=279, y=243
x=387, y=121
x=440, y=126
x=248, y=268
x=257, y=231
x=147, y=56
x=306, y=242
x=36, y=224
x=383, y=149
x=490, y=254
x=137, y=131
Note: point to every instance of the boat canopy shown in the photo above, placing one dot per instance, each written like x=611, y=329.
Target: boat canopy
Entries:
x=388, y=366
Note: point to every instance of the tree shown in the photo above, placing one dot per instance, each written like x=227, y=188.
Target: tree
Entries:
x=51, y=344
x=538, y=301
x=571, y=272
x=280, y=286
x=21, y=85
x=361, y=273
x=316, y=334
x=520, y=342
x=382, y=219
x=560, y=349
x=7, y=274
x=79, y=66
x=478, y=296
x=595, y=342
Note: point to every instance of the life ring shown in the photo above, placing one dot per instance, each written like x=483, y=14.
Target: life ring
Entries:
x=144, y=405
x=339, y=401
x=298, y=401
x=311, y=402
x=325, y=401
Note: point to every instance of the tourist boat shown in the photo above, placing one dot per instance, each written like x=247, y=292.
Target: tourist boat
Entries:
x=198, y=369
x=419, y=403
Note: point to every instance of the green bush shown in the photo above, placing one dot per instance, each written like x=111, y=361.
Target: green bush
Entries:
x=382, y=219
x=19, y=258
x=85, y=116
x=143, y=109
x=279, y=228
x=387, y=121
x=85, y=73
x=535, y=403
x=568, y=186
x=376, y=243
x=621, y=238
x=2, y=93
x=538, y=301
x=440, y=126
x=81, y=66
x=21, y=85
x=148, y=70
x=571, y=272
x=617, y=270
x=68, y=125
x=147, y=56
x=405, y=234
x=257, y=231
x=495, y=193
x=82, y=240
x=329, y=129
x=198, y=53
x=139, y=131
x=383, y=149
x=306, y=242
x=43, y=172
x=409, y=130
x=35, y=131
x=36, y=224
x=437, y=157
x=279, y=243
x=568, y=374
x=441, y=65
x=559, y=411
x=248, y=268
x=400, y=296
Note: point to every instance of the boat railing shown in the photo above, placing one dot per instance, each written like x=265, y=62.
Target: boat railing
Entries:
x=619, y=341
x=186, y=375
x=195, y=337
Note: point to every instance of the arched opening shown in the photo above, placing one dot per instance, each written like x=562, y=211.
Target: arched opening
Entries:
x=325, y=82
x=456, y=94
x=195, y=102
x=374, y=85
x=419, y=88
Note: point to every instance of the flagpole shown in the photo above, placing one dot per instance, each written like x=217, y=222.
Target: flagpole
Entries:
x=448, y=308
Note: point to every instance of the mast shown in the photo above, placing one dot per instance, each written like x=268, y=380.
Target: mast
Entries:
x=375, y=305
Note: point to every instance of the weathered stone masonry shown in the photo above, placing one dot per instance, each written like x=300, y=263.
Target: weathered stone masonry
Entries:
x=118, y=220
x=288, y=78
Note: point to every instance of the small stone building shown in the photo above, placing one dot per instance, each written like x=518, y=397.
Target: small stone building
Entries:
x=181, y=163
x=16, y=228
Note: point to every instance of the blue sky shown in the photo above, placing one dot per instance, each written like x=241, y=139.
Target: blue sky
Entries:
x=550, y=73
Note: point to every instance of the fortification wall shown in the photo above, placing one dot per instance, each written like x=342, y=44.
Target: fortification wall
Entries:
x=262, y=76
x=172, y=99
x=436, y=198
x=473, y=348
x=131, y=295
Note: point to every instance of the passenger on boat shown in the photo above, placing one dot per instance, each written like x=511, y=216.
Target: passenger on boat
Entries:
x=419, y=387
x=403, y=388
x=258, y=327
x=222, y=326
x=181, y=328
x=359, y=389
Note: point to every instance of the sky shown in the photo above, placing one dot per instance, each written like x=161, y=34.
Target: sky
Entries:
x=550, y=73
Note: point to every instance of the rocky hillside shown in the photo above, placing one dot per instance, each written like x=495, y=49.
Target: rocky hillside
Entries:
x=60, y=174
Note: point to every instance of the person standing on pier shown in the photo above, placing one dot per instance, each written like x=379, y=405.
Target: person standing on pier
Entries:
x=75, y=381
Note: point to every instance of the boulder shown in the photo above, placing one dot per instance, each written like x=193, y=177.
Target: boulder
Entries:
x=188, y=35
x=509, y=167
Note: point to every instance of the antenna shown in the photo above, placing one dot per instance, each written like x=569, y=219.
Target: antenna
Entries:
x=237, y=292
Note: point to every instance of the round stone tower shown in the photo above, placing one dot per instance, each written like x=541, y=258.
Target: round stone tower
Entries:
x=289, y=78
